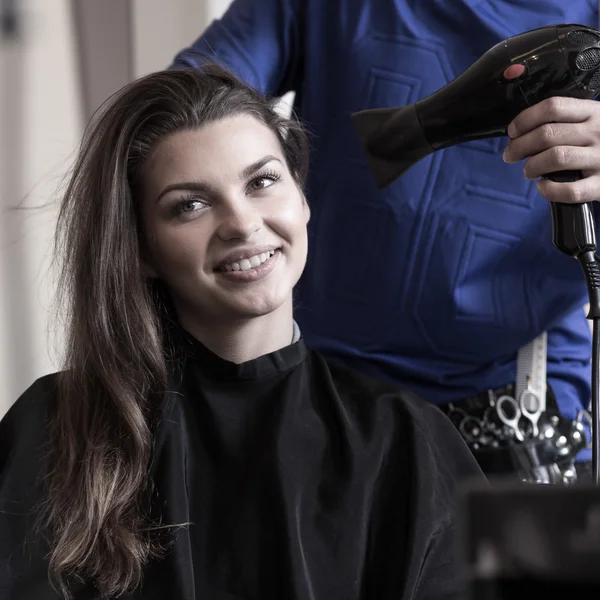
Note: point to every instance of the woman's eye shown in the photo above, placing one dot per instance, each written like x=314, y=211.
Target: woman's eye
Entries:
x=263, y=181
x=188, y=206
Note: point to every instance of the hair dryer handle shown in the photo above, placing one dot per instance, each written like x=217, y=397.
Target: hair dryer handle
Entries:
x=573, y=226
x=574, y=233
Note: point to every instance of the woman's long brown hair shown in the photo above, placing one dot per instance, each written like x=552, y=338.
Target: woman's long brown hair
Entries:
x=101, y=427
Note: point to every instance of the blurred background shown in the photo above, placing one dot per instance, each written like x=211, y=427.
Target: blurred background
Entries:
x=59, y=59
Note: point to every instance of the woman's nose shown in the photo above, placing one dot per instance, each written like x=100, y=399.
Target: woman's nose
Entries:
x=239, y=220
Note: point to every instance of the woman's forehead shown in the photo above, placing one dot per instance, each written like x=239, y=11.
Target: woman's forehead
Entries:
x=224, y=146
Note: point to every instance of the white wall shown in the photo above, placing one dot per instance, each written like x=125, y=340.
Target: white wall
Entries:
x=39, y=129
x=162, y=28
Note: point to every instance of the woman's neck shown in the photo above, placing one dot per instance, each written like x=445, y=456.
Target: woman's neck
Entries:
x=245, y=339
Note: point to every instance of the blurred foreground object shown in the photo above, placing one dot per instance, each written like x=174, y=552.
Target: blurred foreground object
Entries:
x=523, y=540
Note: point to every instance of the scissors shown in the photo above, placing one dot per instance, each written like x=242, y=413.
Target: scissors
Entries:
x=531, y=407
x=470, y=427
x=509, y=413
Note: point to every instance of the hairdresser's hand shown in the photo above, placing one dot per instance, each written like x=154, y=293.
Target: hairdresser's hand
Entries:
x=559, y=134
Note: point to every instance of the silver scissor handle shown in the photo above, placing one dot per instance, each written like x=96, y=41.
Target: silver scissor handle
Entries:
x=513, y=422
x=531, y=408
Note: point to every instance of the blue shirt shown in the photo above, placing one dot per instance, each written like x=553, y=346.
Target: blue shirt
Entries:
x=438, y=280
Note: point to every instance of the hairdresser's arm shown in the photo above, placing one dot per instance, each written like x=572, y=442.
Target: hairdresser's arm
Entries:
x=259, y=40
x=559, y=134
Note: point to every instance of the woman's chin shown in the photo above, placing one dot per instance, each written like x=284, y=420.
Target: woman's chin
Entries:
x=216, y=305
x=248, y=308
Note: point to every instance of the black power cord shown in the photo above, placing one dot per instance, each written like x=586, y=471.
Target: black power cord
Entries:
x=591, y=270
x=574, y=234
x=595, y=399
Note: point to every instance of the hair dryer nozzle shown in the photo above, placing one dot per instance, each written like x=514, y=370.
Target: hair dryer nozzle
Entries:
x=393, y=141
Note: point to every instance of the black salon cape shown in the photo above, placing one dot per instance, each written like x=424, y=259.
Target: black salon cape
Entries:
x=301, y=480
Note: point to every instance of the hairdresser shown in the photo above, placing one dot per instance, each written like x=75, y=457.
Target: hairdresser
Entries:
x=438, y=281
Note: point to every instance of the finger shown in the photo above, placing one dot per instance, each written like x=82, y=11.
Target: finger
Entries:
x=556, y=109
x=562, y=158
x=547, y=136
x=584, y=190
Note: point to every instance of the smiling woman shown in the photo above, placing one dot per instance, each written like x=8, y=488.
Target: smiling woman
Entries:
x=227, y=222
x=193, y=447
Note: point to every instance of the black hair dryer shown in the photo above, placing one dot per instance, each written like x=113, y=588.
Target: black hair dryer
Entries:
x=559, y=60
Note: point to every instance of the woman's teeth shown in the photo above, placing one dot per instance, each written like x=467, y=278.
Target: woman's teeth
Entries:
x=249, y=263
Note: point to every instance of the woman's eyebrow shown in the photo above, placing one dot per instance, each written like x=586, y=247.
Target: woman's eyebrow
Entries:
x=256, y=166
x=194, y=186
